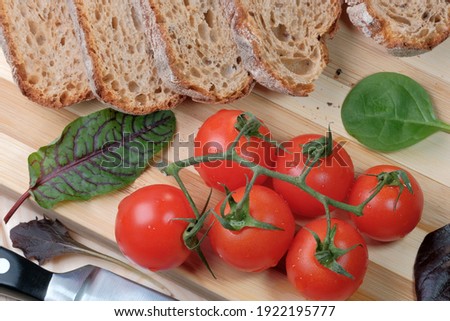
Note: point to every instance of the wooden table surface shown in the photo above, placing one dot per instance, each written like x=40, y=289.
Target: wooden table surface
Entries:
x=25, y=126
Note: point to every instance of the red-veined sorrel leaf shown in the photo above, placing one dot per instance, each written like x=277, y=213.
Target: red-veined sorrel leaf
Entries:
x=96, y=154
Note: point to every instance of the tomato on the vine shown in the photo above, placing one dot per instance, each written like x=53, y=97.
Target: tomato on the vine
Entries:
x=215, y=135
x=331, y=176
x=148, y=228
x=314, y=280
x=394, y=211
x=255, y=249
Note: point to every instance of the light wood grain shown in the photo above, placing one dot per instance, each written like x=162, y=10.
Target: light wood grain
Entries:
x=25, y=126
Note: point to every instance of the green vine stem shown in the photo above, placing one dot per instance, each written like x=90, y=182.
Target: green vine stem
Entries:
x=248, y=126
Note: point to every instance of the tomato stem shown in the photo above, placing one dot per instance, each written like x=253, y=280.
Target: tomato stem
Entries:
x=239, y=216
x=248, y=188
x=190, y=237
x=231, y=154
x=248, y=126
x=186, y=192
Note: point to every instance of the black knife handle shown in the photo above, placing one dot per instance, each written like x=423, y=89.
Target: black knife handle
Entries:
x=22, y=278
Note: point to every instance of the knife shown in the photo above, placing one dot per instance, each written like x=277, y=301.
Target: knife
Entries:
x=23, y=279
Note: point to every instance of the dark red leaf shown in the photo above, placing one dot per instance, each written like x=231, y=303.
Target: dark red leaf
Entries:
x=432, y=266
x=44, y=239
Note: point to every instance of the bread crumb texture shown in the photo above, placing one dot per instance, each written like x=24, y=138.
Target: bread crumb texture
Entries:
x=124, y=70
x=417, y=25
x=204, y=60
x=284, y=41
x=45, y=56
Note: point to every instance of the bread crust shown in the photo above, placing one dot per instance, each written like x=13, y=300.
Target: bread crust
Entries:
x=166, y=58
x=363, y=15
x=15, y=59
x=94, y=66
x=248, y=37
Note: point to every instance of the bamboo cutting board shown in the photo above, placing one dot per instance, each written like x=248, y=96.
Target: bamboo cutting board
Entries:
x=25, y=126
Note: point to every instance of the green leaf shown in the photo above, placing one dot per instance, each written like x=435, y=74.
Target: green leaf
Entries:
x=397, y=178
x=337, y=268
x=250, y=123
x=327, y=252
x=239, y=216
x=405, y=180
x=389, y=111
x=97, y=154
x=318, y=149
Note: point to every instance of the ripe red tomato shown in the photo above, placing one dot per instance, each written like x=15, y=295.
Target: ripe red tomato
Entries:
x=332, y=176
x=254, y=249
x=317, y=282
x=387, y=217
x=216, y=135
x=146, y=230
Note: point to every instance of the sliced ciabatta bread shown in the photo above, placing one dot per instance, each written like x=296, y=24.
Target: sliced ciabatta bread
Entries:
x=282, y=43
x=405, y=28
x=119, y=62
x=195, y=50
x=42, y=49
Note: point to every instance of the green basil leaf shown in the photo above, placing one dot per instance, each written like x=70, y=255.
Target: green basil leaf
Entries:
x=97, y=154
x=388, y=111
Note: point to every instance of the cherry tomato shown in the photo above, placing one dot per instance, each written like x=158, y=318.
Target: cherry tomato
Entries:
x=147, y=230
x=313, y=280
x=255, y=249
x=389, y=216
x=216, y=135
x=332, y=176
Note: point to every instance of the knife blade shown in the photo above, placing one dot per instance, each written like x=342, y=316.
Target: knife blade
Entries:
x=21, y=278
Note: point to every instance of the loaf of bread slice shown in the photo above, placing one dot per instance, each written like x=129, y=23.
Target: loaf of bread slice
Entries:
x=40, y=45
x=405, y=28
x=282, y=43
x=194, y=49
x=119, y=61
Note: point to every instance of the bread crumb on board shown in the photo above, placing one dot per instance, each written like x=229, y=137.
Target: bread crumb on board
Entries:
x=337, y=73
